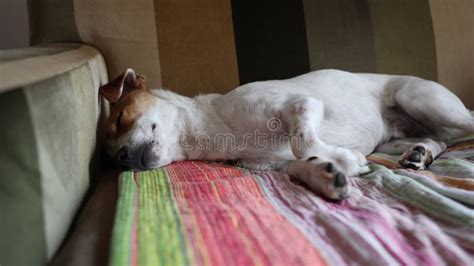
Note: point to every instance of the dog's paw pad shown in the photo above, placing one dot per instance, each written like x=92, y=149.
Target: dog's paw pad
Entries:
x=419, y=149
x=416, y=158
x=326, y=178
x=335, y=177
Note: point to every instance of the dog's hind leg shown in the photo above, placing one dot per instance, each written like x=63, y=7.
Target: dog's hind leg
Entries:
x=416, y=153
x=324, y=168
x=303, y=116
x=432, y=105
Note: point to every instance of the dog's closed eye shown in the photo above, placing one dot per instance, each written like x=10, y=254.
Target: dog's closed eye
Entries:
x=153, y=126
x=118, y=124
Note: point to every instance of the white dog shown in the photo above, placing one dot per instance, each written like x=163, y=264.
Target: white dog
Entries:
x=317, y=127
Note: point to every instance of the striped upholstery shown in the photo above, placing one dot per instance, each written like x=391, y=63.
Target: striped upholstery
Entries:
x=49, y=113
x=195, y=213
x=215, y=45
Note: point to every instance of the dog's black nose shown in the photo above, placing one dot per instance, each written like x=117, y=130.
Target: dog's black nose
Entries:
x=122, y=155
x=340, y=180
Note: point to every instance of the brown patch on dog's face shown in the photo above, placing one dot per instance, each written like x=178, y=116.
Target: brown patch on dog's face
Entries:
x=129, y=99
x=125, y=112
x=121, y=86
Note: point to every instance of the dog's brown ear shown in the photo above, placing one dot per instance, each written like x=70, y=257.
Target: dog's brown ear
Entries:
x=122, y=85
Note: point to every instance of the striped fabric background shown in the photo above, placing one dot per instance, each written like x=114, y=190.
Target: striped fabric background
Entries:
x=215, y=45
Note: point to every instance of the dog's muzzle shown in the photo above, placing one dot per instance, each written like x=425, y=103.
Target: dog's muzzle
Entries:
x=139, y=159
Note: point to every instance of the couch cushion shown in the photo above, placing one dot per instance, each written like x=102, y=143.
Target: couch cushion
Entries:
x=212, y=46
x=48, y=137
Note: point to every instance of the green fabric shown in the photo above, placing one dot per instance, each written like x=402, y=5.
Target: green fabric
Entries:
x=125, y=216
x=52, y=21
x=405, y=188
x=22, y=240
x=48, y=141
x=26, y=66
x=64, y=120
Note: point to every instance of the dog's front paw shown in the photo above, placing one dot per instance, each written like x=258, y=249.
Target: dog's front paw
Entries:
x=416, y=158
x=328, y=179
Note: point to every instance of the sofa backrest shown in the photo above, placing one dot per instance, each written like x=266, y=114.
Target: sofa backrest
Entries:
x=214, y=45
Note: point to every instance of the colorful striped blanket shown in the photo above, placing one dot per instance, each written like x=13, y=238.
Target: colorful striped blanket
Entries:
x=196, y=213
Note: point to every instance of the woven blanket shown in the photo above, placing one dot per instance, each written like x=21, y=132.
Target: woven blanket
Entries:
x=196, y=213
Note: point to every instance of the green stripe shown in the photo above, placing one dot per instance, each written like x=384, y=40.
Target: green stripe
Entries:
x=148, y=243
x=462, y=139
x=160, y=237
x=120, y=247
x=416, y=194
x=457, y=194
x=454, y=164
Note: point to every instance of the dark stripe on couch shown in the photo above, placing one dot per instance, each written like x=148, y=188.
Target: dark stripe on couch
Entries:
x=52, y=21
x=270, y=38
x=339, y=35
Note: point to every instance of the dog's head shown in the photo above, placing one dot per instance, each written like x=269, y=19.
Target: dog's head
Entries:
x=133, y=134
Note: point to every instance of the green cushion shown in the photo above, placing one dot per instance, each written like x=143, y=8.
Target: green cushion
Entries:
x=21, y=222
x=48, y=139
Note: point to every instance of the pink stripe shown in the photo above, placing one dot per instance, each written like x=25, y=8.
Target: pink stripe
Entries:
x=236, y=222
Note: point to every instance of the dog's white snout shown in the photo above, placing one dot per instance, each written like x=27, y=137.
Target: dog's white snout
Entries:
x=148, y=156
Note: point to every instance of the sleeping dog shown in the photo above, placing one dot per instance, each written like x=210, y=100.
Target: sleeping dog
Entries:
x=317, y=127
